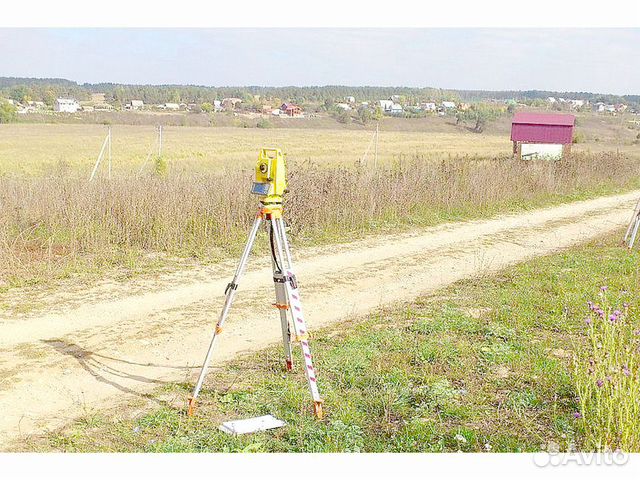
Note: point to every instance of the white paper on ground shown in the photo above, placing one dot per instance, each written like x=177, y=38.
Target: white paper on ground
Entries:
x=250, y=425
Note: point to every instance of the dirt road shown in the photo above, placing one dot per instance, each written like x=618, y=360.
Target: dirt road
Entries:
x=94, y=347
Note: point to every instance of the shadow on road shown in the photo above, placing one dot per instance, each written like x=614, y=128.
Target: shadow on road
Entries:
x=94, y=363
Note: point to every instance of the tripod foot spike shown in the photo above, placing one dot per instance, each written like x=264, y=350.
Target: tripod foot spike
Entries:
x=317, y=409
x=192, y=407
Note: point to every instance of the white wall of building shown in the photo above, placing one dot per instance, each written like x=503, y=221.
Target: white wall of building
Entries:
x=540, y=151
x=66, y=105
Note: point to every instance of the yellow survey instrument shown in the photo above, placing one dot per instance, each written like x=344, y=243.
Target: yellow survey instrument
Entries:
x=271, y=177
x=270, y=184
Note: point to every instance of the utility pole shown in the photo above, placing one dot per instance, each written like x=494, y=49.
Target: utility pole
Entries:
x=375, y=157
x=159, y=140
x=107, y=141
x=109, y=153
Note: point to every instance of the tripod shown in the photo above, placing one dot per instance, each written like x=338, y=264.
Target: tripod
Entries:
x=287, y=300
x=632, y=229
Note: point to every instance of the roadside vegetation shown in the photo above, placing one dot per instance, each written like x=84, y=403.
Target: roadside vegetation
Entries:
x=608, y=373
x=55, y=226
x=497, y=364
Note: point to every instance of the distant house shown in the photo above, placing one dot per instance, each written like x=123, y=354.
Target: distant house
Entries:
x=217, y=105
x=343, y=106
x=602, y=107
x=350, y=99
x=448, y=105
x=386, y=105
x=88, y=108
x=291, y=109
x=170, y=106
x=134, y=105
x=230, y=103
x=428, y=106
x=396, y=108
x=66, y=105
x=542, y=135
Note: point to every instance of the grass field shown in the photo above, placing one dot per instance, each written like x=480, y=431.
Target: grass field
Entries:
x=41, y=149
x=486, y=365
x=56, y=225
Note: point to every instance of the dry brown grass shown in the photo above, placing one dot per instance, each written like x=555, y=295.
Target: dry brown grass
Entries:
x=36, y=150
x=49, y=223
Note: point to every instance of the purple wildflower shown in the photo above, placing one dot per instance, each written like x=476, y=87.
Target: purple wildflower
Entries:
x=599, y=383
x=604, y=288
x=577, y=415
x=625, y=371
x=613, y=318
x=587, y=321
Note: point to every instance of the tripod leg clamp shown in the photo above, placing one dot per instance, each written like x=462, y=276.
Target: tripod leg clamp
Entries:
x=292, y=280
x=230, y=286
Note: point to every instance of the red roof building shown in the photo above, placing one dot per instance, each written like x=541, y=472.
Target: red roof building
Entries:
x=291, y=109
x=542, y=128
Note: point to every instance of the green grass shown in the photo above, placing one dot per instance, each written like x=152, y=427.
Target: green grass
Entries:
x=485, y=365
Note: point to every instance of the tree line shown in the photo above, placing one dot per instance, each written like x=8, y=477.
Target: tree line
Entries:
x=48, y=89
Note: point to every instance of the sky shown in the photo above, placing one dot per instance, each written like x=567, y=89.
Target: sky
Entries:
x=589, y=60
